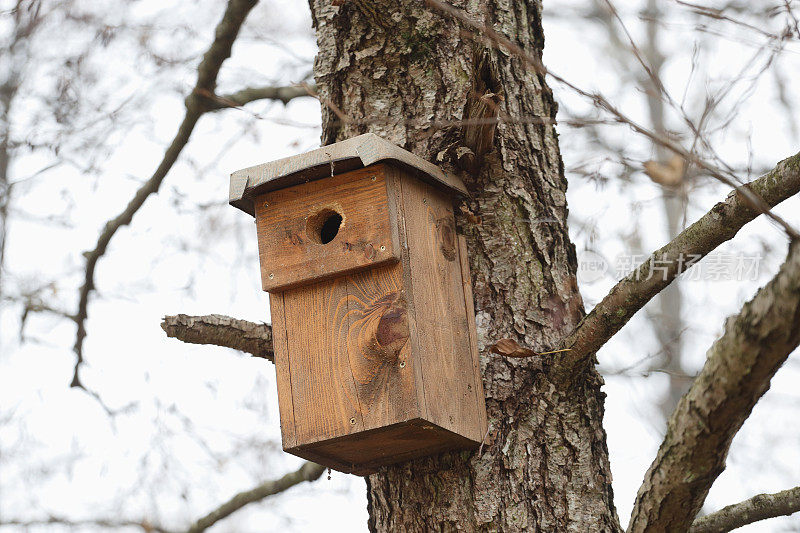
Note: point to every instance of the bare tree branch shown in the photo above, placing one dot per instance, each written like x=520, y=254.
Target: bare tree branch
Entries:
x=221, y=330
x=719, y=14
x=307, y=472
x=196, y=105
x=25, y=22
x=145, y=525
x=251, y=94
x=756, y=508
x=714, y=228
x=737, y=373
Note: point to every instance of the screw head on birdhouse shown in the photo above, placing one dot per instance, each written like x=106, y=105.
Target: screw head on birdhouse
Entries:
x=371, y=302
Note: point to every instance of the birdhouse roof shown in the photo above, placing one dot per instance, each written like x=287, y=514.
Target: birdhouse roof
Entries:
x=354, y=153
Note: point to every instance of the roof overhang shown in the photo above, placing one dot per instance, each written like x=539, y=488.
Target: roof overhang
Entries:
x=354, y=153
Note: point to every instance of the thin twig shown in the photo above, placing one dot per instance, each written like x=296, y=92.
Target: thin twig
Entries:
x=308, y=472
x=105, y=524
x=284, y=94
x=719, y=14
x=760, y=507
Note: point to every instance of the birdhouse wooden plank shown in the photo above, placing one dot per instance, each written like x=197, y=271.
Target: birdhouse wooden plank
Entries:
x=288, y=236
x=371, y=302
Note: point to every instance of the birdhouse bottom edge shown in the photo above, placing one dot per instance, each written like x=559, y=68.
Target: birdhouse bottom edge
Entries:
x=365, y=452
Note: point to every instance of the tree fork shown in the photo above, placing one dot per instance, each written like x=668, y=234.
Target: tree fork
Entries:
x=544, y=463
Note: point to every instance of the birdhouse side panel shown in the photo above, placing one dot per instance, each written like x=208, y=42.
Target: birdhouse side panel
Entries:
x=280, y=347
x=453, y=396
x=469, y=305
x=325, y=228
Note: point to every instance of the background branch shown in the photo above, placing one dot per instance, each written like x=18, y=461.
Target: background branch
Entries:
x=196, y=104
x=737, y=373
x=714, y=228
x=307, y=472
x=221, y=330
x=284, y=94
x=146, y=526
x=756, y=508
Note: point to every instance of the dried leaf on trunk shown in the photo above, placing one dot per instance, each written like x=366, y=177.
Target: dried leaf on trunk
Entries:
x=510, y=348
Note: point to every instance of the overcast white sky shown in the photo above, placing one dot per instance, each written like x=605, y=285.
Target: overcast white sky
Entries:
x=203, y=422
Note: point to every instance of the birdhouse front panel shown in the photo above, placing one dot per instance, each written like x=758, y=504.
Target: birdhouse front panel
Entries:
x=354, y=373
x=296, y=225
x=373, y=325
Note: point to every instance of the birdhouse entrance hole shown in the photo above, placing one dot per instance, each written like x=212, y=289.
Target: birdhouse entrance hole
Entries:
x=323, y=227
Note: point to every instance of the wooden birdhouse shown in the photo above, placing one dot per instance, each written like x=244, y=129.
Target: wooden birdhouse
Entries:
x=372, y=315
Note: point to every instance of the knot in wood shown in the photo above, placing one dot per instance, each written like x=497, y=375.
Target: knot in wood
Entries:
x=391, y=329
x=447, y=238
x=392, y=332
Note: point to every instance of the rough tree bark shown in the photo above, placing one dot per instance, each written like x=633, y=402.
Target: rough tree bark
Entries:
x=387, y=65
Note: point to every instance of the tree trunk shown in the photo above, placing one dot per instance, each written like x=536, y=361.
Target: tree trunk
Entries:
x=392, y=68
